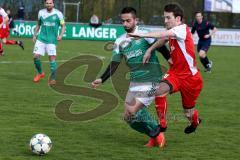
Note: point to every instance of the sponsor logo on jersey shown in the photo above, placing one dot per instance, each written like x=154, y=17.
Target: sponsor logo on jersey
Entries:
x=135, y=53
x=49, y=24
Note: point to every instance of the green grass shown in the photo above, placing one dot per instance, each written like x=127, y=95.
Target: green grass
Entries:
x=27, y=108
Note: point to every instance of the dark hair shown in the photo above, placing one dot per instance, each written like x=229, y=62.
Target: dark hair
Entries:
x=175, y=8
x=129, y=10
x=197, y=12
x=46, y=0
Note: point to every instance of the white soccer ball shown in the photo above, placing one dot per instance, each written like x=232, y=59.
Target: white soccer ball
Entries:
x=40, y=144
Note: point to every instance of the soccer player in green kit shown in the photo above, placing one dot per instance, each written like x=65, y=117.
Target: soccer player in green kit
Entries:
x=143, y=78
x=49, y=21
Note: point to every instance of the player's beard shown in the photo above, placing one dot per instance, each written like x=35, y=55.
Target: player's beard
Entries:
x=130, y=30
x=49, y=9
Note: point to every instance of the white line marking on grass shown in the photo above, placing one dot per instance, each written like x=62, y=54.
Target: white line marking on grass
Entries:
x=30, y=62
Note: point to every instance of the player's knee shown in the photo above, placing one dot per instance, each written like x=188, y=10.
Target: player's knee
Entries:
x=52, y=58
x=202, y=54
x=163, y=89
x=4, y=41
x=36, y=56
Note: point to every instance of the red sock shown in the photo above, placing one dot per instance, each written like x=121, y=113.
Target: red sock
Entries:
x=1, y=48
x=161, y=108
x=11, y=42
x=195, y=119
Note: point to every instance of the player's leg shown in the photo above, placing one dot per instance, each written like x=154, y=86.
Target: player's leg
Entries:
x=51, y=50
x=5, y=33
x=136, y=113
x=1, y=49
x=1, y=46
x=142, y=121
x=53, y=68
x=190, y=90
x=202, y=51
x=193, y=117
x=169, y=84
x=161, y=109
x=14, y=42
x=138, y=118
x=39, y=50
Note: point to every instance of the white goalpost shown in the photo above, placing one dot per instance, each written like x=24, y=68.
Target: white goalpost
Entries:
x=65, y=4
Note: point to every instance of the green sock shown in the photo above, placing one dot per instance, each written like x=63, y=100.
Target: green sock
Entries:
x=53, y=68
x=143, y=122
x=38, y=65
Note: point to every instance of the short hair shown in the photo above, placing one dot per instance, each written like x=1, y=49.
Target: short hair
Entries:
x=129, y=10
x=197, y=12
x=46, y=0
x=175, y=8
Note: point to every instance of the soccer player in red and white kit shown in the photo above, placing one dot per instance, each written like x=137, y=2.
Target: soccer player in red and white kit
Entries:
x=4, y=31
x=183, y=75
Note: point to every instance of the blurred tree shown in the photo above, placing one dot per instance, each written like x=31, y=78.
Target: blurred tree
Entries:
x=149, y=11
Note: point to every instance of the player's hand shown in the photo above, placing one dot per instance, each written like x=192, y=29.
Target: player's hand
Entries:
x=147, y=56
x=59, y=38
x=170, y=61
x=96, y=83
x=34, y=38
x=1, y=24
x=207, y=36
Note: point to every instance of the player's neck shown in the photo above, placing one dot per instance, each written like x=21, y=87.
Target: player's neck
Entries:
x=199, y=22
x=134, y=29
x=49, y=11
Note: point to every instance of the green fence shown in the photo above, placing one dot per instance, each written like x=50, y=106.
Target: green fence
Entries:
x=75, y=31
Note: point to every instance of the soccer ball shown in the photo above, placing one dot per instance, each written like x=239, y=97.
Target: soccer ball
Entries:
x=40, y=144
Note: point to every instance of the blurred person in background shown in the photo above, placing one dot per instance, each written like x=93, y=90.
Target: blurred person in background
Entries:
x=203, y=28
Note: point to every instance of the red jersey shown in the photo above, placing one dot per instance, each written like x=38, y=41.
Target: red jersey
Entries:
x=2, y=15
x=4, y=30
x=182, y=52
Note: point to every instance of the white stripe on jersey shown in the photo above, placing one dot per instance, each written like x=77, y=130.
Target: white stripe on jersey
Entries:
x=181, y=35
x=3, y=13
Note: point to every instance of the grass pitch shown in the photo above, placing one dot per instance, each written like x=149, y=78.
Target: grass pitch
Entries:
x=27, y=108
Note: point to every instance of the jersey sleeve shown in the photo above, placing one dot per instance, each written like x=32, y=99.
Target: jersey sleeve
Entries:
x=116, y=54
x=193, y=28
x=180, y=32
x=39, y=17
x=210, y=25
x=3, y=13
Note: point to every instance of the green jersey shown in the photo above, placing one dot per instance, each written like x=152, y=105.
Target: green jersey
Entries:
x=50, y=23
x=133, y=51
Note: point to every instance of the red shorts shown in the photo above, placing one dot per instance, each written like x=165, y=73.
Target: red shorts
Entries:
x=189, y=88
x=4, y=33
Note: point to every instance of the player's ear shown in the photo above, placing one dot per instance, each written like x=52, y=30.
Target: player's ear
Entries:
x=136, y=20
x=178, y=18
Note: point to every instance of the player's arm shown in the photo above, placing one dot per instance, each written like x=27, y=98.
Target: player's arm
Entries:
x=157, y=34
x=37, y=28
x=159, y=46
x=212, y=32
x=112, y=67
x=63, y=29
x=193, y=30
